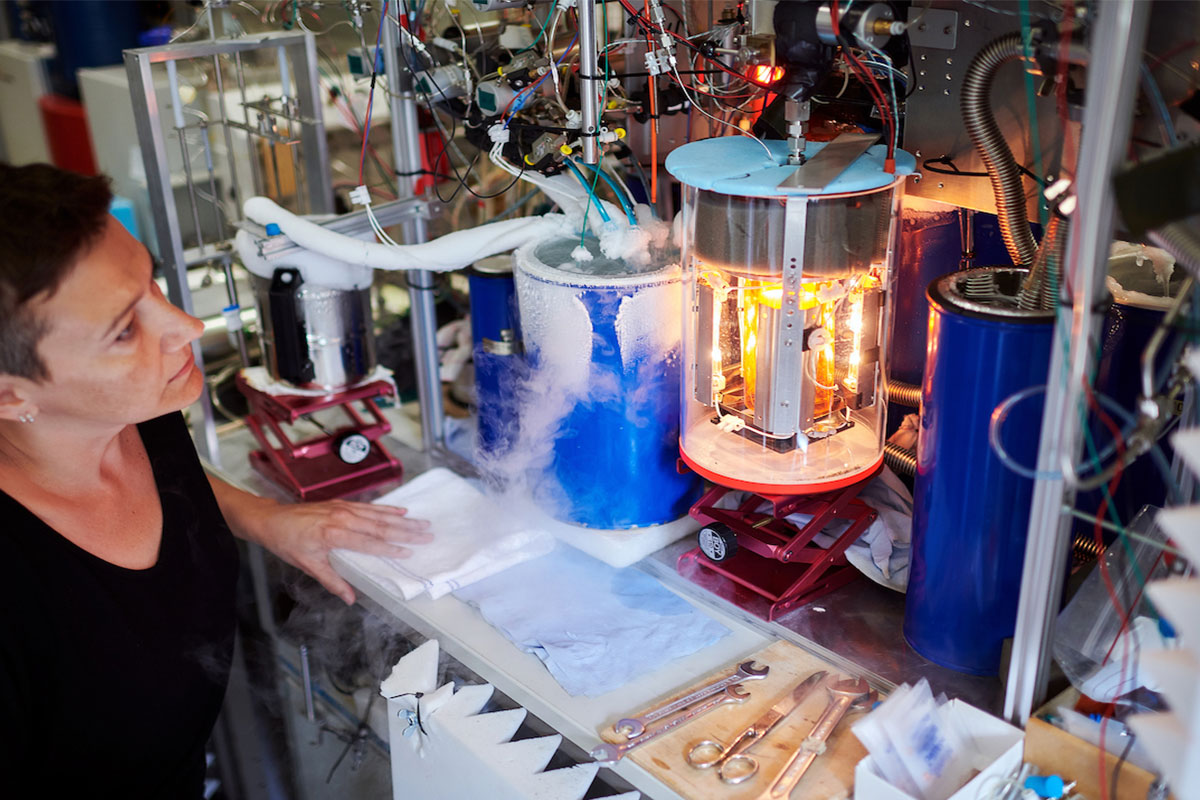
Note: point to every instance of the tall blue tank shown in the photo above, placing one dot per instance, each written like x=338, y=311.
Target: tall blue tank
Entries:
x=496, y=352
x=600, y=414
x=971, y=512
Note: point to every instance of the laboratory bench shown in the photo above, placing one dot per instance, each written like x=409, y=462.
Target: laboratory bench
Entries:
x=856, y=628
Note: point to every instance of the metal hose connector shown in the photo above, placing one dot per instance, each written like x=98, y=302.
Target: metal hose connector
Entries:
x=1182, y=240
x=997, y=157
x=901, y=460
x=904, y=394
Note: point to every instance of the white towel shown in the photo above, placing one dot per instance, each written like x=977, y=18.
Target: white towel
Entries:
x=472, y=538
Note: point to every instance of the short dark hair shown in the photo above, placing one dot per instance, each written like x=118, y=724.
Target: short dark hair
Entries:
x=48, y=219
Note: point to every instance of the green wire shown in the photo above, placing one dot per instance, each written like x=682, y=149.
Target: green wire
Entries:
x=541, y=33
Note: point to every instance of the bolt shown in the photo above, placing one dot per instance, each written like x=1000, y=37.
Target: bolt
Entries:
x=920, y=88
x=966, y=23
x=941, y=185
x=922, y=56
x=949, y=61
x=946, y=31
x=949, y=77
x=921, y=73
x=946, y=92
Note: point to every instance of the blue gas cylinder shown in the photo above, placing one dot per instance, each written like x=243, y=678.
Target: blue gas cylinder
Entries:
x=496, y=352
x=971, y=511
x=600, y=410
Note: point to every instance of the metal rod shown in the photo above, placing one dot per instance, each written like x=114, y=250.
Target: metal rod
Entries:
x=1111, y=528
x=406, y=151
x=255, y=171
x=235, y=189
x=966, y=227
x=310, y=710
x=589, y=99
x=181, y=129
x=1107, y=118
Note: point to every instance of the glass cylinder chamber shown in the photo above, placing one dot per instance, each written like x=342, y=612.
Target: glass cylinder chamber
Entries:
x=787, y=313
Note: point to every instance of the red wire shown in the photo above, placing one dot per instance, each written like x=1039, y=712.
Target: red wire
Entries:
x=873, y=88
x=1104, y=573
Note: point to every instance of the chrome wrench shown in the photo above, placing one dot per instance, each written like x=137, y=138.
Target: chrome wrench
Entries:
x=842, y=695
x=607, y=753
x=636, y=726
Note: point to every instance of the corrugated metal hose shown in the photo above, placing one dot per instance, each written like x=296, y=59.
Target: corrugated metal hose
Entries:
x=997, y=157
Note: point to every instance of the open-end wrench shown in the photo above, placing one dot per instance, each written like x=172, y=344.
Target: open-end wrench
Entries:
x=606, y=752
x=842, y=695
x=636, y=726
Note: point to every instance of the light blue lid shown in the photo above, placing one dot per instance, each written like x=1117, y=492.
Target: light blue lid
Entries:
x=738, y=165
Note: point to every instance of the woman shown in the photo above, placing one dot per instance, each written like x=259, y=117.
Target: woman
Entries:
x=119, y=568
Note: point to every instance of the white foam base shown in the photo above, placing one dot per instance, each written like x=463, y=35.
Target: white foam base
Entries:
x=620, y=547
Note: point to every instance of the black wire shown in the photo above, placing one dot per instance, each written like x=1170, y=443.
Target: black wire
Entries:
x=928, y=163
x=446, y=143
x=1116, y=773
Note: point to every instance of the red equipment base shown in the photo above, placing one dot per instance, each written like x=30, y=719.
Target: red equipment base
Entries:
x=775, y=560
x=313, y=469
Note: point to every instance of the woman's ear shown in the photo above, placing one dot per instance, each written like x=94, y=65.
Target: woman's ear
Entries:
x=16, y=403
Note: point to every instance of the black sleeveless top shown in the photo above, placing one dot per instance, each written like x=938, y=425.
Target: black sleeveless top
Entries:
x=111, y=678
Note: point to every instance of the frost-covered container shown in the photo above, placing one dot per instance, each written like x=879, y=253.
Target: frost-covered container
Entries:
x=787, y=292
x=600, y=410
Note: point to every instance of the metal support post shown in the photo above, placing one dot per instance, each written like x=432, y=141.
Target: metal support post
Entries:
x=589, y=99
x=1107, y=119
x=406, y=154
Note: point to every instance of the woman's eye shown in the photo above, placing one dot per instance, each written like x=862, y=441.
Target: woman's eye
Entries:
x=126, y=334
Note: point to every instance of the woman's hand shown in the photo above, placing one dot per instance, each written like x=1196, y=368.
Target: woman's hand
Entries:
x=302, y=534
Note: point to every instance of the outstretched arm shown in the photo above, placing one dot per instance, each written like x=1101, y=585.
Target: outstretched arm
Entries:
x=302, y=534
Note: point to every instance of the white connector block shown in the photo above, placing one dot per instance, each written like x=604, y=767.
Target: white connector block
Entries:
x=360, y=196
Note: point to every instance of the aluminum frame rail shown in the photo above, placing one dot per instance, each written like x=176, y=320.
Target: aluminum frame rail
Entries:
x=152, y=137
x=406, y=154
x=1107, y=121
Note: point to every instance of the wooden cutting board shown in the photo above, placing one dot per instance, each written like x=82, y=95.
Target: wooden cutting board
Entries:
x=830, y=776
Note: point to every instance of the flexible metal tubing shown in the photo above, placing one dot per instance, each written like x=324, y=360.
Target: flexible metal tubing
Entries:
x=997, y=157
x=1036, y=292
x=904, y=394
x=902, y=460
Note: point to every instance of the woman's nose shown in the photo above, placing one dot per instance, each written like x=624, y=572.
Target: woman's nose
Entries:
x=181, y=328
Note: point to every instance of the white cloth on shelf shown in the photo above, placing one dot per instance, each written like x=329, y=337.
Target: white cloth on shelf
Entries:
x=595, y=627
x=472, y=538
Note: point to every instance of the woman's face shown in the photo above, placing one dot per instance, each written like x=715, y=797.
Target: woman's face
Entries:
x=117, y=351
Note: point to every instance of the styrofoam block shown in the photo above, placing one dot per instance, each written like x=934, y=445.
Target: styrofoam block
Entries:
x=434, y=700
x=415, y=672
x=1178, y=599
x=620, y=548
x=532, y=755
x=1176, y=673
x=560, y=784
x=1167, y=742
x=1187, y=445
x=1183, y=526
x=492, y=728
x=468, y=700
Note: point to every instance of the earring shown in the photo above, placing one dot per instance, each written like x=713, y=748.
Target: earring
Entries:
x=26, y=417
